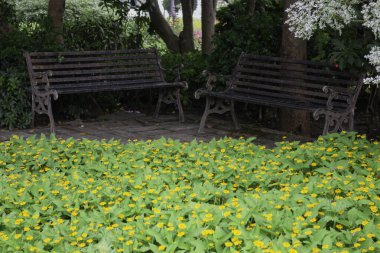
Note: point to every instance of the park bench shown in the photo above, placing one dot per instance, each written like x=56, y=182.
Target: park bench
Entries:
x=55, y=73
x=318, y=88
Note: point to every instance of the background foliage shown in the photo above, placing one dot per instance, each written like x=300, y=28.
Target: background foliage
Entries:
x=238, y=32
x=96, y=24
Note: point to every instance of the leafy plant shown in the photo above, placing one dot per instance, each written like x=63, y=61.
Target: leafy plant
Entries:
x=166, y=196
x=193, y=65
x=238, y=32
x=15, y=106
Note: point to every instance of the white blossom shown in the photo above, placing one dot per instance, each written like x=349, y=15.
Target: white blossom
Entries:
x=304, y=17
x=374, y=59
x=371, y=16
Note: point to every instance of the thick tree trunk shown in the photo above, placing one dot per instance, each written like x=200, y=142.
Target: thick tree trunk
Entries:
x=4, y=27
x=292, y=47
x=208, y=24
x=56, y=11
x=187, y=35
x=162, y=27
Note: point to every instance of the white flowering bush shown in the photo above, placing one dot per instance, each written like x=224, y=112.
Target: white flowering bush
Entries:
x=307, y=16
x=374, y=59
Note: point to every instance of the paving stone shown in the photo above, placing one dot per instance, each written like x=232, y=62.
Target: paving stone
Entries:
x=125, y=125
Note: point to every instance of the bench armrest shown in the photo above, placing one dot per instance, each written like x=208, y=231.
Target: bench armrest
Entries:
x=350, y=95
x=42, y=78
x=212, y=78
x=175, y=69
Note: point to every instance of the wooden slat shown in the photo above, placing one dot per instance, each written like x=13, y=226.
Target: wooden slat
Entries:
x=93, y=65
x=105, y=52
x=104, y=83
x=130, y=86
x=279, y=67
x=306, y=102
x=103, y=71
x=152, y=76
x=282, y=89
x=292, y=83
x=262, y=58
x=244, y=80
x=273, y=95
x=94, y=59
x=291, y=94
x=300, y=75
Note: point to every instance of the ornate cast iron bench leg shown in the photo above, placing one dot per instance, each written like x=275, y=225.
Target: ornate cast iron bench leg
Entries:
x=41, y=104
x=170, y=97
x=218, y=106
x=335, y=121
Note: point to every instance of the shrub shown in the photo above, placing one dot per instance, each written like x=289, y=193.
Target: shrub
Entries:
x=238, y=32
x=193, y=65
x=15, y=108
x=222, y=196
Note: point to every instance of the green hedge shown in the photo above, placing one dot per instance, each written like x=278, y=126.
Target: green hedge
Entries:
x=223, y=196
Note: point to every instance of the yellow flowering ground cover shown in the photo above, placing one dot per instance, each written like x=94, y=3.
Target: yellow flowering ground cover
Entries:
x=166, y=196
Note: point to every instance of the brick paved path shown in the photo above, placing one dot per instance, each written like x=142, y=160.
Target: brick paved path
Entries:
x=131, y=125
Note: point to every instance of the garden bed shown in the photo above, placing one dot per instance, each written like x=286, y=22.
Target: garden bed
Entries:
x=223, y=196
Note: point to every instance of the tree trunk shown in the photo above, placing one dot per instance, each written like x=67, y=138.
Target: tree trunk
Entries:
x=187, y=35
x=251, y=6
x=4, y=27
x=208, y=24
x=162, y=27
x=172, y=12
x=56, y=11
x=293, y=120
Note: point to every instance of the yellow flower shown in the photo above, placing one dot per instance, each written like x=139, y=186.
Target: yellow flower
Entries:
x=374, y=209
x=308, y=232
x=308, y=214
x=162, y=247
x=228, y=244
x=180, y=234
x=286, y=244
x=236, y=232
x=325, y=246
x=182, y=226
x=226, y=214
x=258, y=243
x=207, y=232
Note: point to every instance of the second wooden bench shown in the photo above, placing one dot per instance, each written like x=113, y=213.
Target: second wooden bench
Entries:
x=319, y=88
x=57, y=73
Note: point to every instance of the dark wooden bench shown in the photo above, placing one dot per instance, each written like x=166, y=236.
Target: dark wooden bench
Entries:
x=319, y=88
x=55, y=73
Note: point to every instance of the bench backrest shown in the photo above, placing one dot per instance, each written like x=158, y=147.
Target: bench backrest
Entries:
x=92, y=68
x=287, y=78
